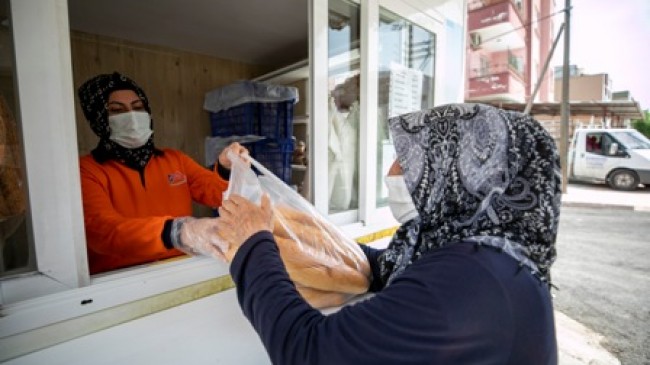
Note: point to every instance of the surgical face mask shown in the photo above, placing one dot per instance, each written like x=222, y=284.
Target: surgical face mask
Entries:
x=131, y=129
x=399, y=199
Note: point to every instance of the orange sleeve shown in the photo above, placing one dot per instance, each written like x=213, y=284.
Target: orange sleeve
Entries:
x=124, y=219
x=111, y=233
x=206, y=187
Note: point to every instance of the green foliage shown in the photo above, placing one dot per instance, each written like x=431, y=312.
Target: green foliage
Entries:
x=643, y=125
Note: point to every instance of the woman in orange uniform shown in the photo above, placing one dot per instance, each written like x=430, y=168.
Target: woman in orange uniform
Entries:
x=137, y=198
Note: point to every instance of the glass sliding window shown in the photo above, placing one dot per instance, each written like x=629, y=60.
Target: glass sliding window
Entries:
x=344, y=99
x=405, y=82
x=16, y=248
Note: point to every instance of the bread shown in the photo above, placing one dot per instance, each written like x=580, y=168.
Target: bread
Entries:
x=12, y=194
x=317, y=256
x=319, y=234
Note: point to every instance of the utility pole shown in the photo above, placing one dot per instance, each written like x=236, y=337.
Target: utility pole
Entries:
x=566, y=112
x=529, y=105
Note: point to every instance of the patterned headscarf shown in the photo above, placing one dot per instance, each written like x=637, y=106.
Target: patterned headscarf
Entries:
x=479, y=174
x=93, y=96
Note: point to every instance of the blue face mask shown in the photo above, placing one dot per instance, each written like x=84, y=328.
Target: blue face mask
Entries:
x=399, y=199
x=130, y=129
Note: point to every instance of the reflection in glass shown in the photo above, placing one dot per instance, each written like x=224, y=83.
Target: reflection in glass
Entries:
x=16, y=252
x=343, y=138
x=405, y=84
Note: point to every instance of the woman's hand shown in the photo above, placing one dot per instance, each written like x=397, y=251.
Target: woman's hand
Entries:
x=199, y=236
x=235, y=148
x=239, y=219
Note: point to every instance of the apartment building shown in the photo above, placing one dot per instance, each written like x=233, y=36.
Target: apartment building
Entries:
x=582, y=86
x=508, y=44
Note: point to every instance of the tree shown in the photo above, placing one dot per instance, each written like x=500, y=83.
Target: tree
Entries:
x=643, y=125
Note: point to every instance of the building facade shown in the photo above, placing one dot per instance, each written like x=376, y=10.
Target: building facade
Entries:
x=508, y=44
x=584, y=87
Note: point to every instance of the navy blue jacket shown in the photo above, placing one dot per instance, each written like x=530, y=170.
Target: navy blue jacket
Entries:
x=457, y=305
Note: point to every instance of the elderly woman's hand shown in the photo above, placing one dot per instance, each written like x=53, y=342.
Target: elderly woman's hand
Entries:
x=239, y=219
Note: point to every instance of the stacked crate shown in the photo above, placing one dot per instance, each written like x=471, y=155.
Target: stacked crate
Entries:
x=260, y=110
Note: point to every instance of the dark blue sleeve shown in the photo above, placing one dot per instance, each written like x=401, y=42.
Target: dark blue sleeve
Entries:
x=270, y=301
x=451, y=307
x=372, y=254
x=373, y=331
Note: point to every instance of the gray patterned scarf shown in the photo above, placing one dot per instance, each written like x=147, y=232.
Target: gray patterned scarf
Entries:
x=476, y=174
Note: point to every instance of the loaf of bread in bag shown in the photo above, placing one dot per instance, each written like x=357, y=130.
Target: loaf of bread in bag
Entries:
x=317, y=256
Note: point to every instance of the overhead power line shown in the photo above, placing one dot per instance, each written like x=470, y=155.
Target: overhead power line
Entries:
x=523, y=26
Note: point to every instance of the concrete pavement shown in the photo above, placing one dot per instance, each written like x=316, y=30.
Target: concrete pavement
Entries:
x=600, y=195
x=577, y=344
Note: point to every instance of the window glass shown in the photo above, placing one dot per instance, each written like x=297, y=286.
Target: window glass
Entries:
x=601, y=143
x=594, y=142
x=343, y=135
x=16, y=249
x=405, y=84
x=606, y=144
x=633, y=140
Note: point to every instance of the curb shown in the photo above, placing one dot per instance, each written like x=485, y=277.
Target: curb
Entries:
x=579, y=345
x=598, y=205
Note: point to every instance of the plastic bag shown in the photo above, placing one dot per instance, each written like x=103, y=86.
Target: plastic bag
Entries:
x=327, y=267
x=214, y=145
x=245, y=91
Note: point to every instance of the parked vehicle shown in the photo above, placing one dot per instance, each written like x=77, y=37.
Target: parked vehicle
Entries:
x=618, y=157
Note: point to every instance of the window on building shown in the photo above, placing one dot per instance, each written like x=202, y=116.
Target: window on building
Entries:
x=344, y=103
x=484, y=69
x=406, y=80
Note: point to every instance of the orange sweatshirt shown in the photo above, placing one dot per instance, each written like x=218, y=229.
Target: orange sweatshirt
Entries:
x=124, y=219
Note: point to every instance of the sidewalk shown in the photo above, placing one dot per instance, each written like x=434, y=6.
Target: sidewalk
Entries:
x=577, y=344
x=597, y=195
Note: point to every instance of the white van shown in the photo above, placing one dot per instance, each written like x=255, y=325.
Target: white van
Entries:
x=619, y=157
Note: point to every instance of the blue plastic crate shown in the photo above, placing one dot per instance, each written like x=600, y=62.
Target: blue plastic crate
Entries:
x=236, y=121
x=272, y=120
x=274, y=155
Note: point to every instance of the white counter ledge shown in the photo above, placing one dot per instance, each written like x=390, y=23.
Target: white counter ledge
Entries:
x=211, y=330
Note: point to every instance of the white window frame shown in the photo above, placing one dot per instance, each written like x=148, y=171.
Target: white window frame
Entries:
x=369, y=103
x=429, y=18
x=46, y=113
x=418, y=12
x=318, y=74
x=61, y=287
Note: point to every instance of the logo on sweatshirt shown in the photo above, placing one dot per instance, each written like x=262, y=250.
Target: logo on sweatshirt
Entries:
x=176, y=178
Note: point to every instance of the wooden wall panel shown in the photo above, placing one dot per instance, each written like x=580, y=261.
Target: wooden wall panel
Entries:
x=175, y=82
